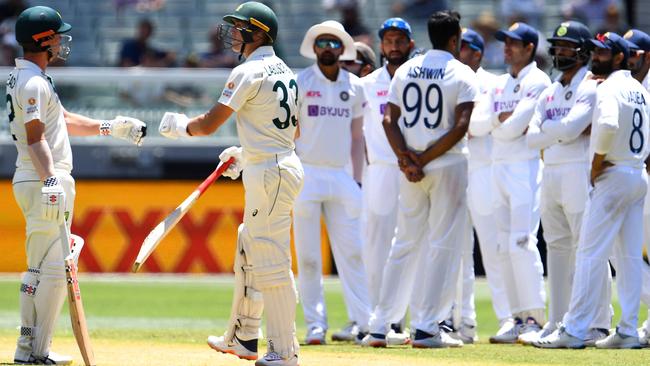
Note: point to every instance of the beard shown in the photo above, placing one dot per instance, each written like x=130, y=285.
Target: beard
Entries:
x=636, y=68
x=327, y=59
x=602, y=68
x=397, y=58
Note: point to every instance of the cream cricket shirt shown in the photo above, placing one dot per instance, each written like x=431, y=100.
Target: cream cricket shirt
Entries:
x=30, y=96
x=376, y=87
x=427, y=89
x=326, y=112
x=480, y=147
x=264, y=93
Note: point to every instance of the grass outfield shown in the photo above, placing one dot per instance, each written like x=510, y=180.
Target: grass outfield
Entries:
x=145, y=320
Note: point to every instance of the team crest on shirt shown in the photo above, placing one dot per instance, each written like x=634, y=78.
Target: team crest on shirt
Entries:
x=344, y=96
x=516, y=89
x=31, y=101
x=568, y=95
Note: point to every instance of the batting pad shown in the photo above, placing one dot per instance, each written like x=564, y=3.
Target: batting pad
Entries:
x=48, y=302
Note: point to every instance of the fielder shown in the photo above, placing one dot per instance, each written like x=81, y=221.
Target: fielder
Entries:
x=612, y=223
x=560, y=127
x=263, y=93
x=479, y=199
x=516, y=174
x=381, y=180
x=429, y=106
x=42, y=184
x=331, y=122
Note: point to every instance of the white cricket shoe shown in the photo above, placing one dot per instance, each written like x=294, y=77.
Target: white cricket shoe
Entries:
x=529, y=330
x=315, y=336
x=594, y=335
x=438, y=340
x=530, y=337
x=248, y=352
x=644, y=335
x=619, y=341
x=347, y=334
x=374, y=340
x=508, y=332
x=274, y=359
x=560, y=339
x=52, y=359
x=394, y=338
x=465, y=333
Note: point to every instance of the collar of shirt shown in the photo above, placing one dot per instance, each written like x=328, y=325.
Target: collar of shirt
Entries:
x=524, y=71
x=21, y=63
x=440, y=54
x=646, y=82
x=578, y=78
x=319, y=74
x=619, y=74
x=384, y=75
x=261, y=52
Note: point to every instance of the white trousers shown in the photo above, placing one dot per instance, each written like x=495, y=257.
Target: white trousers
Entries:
x=379, y=219
x=479, y=200
x=516, y=213
x=612, y=225
x=333, y=193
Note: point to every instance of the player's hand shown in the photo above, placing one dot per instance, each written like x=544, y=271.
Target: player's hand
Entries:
x=597, y=172
x=236, y=166
x=174, y=125
x=413, y=173
x=125, y=128
x=53, y=200
x=504, y=116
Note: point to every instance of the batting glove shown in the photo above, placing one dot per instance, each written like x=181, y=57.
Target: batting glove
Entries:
x=53, y=200
x=125, y=128
x=236, y=166
x=174, y=125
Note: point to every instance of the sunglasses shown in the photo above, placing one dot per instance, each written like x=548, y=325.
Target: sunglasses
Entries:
x=331, y=43
x=352, y=62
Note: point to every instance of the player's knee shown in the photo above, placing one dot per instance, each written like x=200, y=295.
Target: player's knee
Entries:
x=277, y=275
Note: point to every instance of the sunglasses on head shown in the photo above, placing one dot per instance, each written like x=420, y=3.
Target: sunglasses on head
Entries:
x=331, y=43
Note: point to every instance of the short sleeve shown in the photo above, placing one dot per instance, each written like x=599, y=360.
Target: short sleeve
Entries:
x=239, y=88
x=468, y=88
x=394, y=92
x=361, y=100
x=34, y=99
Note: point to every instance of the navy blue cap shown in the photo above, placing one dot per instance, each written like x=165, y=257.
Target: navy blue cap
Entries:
x=614, y=42
x=639, y=40
x=519, y=31
x=474, y=39
x=395, y=23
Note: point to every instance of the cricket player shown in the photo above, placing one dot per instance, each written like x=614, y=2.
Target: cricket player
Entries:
x=331, y=134
x=516, y=177
x=612, y=223
x=42, y=184
x=263, y=93
x=479, y=199
x=560, y=127
x=639, y=64
x=430, y=102
x=364, y=64
x=381, y=189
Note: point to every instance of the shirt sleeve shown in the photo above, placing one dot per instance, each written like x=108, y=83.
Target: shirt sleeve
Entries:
x=360, y=102
x=394, y=92
x=535, y=137
x=579, y=118
x=482, y=121
x=515, y=125
x=33, y=99
x=468, y=89
x=240, y=87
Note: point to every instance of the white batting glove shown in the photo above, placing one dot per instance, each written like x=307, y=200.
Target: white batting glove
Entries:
x=125, y=128
x=236, y=167
x=174, y=125
x=53, y=200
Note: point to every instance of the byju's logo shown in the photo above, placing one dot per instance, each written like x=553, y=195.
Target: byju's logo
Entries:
x=312, y=110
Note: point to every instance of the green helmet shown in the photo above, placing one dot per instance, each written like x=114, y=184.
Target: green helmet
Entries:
x=258, y=15
x=39, y=23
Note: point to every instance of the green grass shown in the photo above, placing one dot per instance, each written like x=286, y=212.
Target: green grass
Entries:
x=183, y=310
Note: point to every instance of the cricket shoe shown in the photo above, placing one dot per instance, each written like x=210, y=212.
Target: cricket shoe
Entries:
x=315, y=336
x=398, y=337
x=617, y=340
x=374, y=340
x=438, y=340
x=560, y=339
x=530, y=337
x=644, y=335
x=246, y=350
x=274, y=359
x=594, y=335
x=52, y=359
x=347, y=334
x=509, y=331
x=465, y=333
x=529, y=330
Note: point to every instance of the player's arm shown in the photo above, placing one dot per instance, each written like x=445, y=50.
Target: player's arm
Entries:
x=578, y=119
x=514, y=125
x=606, y=128
x=208, y=123
x=483, y=119
x=396, y=140
x=38, y=149
x=463, y=113
x=535, y=137
x=126, y=128
x=358, y=148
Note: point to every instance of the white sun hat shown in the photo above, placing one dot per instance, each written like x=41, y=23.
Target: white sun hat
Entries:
x=328, y=27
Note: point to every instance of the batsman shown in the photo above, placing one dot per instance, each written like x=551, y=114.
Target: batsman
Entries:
x=263, y=93
x=42, y=184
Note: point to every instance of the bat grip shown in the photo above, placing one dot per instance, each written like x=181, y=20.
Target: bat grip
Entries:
x=215, y=174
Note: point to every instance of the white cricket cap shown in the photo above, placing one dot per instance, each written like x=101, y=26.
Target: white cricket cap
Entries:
x=328, y=27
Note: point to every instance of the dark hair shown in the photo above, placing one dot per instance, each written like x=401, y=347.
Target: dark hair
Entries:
x=443, y=25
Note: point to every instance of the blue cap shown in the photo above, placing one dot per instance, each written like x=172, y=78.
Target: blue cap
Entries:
x=395, y=23
x=473, y=39
x=614, y=42
x=639, y=40
x=519, y=31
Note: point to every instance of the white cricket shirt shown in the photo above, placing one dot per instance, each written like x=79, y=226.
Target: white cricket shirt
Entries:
x=326, y=112
x=264, y=93
x=31, y=96
x=427, y=89
x=376, y=87
x=480, y=147
x=622, y=106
